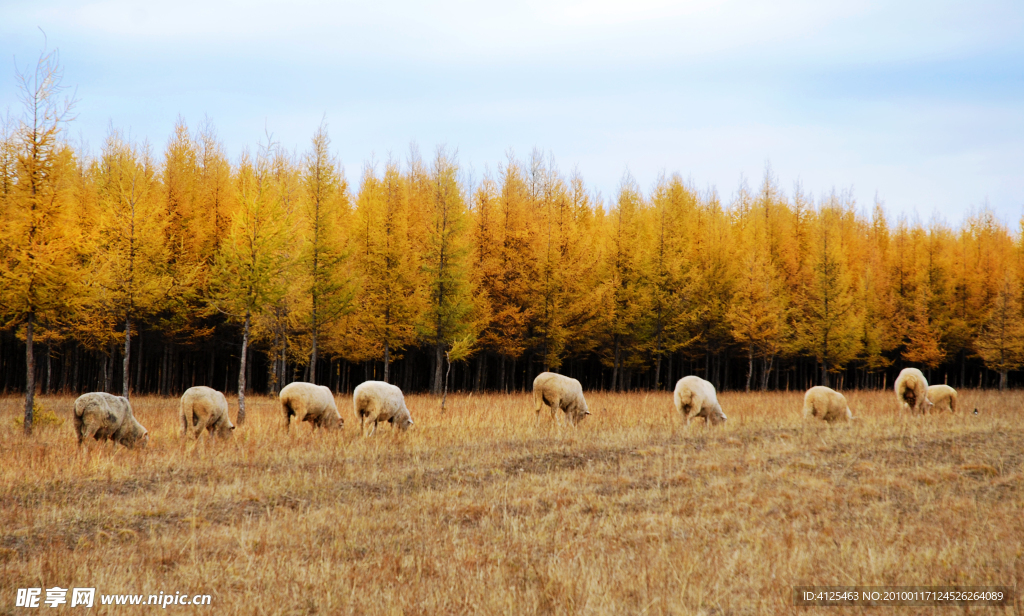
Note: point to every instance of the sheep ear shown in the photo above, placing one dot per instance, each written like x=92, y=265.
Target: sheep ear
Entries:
x=587, y=413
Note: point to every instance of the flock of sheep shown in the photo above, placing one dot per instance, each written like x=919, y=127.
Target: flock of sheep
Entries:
x=103, y=416
x=912, y=392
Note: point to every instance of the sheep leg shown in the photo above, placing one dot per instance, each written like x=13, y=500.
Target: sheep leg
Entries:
x=201, y=424
x=287, y=416
x=184, y=421
x=301, y=414
x=90, y=433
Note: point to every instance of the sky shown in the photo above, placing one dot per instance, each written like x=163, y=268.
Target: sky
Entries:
x=917, y=104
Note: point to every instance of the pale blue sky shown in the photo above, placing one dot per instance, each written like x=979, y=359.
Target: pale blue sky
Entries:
x=919, y=102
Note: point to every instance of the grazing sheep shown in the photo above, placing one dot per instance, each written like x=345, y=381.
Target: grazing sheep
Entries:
x=312, y=403
x=377, y=401
x=203, y=408
x=695, y=397
x=912, y=391
x=944, y=396
x=827, y=404
x=101, y=416
x=560, y=392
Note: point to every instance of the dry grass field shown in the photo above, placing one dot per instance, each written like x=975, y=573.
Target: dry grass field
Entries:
x=485, y=510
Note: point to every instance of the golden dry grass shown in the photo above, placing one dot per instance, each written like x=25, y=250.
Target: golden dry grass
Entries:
x=485, y=510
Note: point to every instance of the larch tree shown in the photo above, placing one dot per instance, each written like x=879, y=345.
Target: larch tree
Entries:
x=923, y=340
x=568, y=270
x=324, y=215
x=511, y=287
x=131, y=256
x=188, y=226
x=253, y=259
x=757, y=313
x=1001, y=342
x=283, y=320
x=666, y=269
x=484, y=266
x=388, y=297
x=504, y=266
x=877, y=333
x=34, y=270
x=215, y=193
x=445, y=271
x=710, y=284
x=623, y=294
x=8, y=162
x=829, y=326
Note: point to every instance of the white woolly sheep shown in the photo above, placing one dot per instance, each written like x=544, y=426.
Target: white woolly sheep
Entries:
x=204, y=408
x=695, y=397
x=827, y=404
x=944, y=397
x=912, y=391
x=101, y=416
x=560, y=392
x=377, y=401
x=312, y=403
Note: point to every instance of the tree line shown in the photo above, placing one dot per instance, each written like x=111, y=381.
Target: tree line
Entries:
x=129, y=271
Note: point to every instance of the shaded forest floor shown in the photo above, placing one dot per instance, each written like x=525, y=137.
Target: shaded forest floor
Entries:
x=485, y=509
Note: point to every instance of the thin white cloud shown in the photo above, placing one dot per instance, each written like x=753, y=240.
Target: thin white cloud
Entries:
x=919, y=100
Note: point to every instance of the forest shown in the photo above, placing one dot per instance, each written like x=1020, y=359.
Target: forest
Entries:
x=149, y=270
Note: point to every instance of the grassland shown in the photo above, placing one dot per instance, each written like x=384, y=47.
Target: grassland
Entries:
x=485, y=510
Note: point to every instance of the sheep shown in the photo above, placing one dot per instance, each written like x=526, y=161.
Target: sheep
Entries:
x=104, y=416
x=203, y=408
x=912, y=391
x=944, y=396
x=560, y=392
x=312, y=403
x=377, y=401
x=827, y=404
x=695, y=397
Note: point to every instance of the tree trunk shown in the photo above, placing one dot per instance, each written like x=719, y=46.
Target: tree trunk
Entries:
x=478, y=381
x=64, y=369
x=669, y=374
x=963, y=369
x=140, y=384
x=766, y=371
x=750, y=367
x=312, y=362
x=435, y=387
x=241, y=370
x=108, y=366
x=284, y=361
x=49, y=368
x=77, y=365
x=824, y=373
x=125, y=372
x=30, y=375
x=501, y=375
x=444, y=396
x=1002, y=380
x=387, y=362
x=616, y=371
